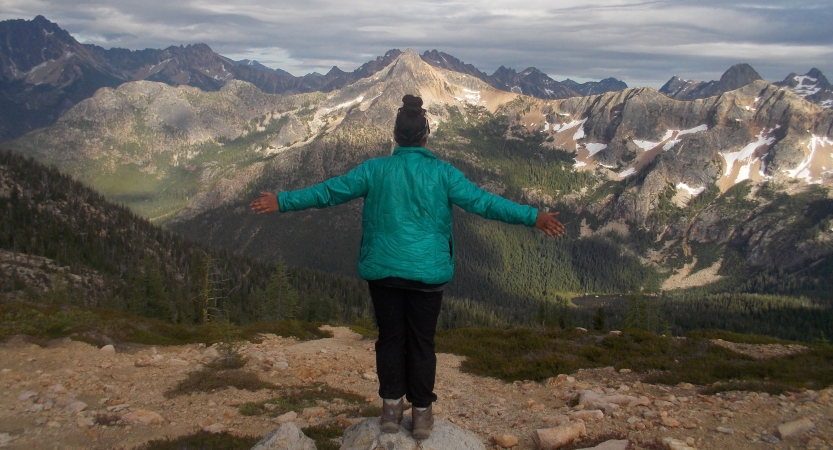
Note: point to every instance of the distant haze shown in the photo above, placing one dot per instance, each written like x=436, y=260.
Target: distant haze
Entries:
x=641, y=43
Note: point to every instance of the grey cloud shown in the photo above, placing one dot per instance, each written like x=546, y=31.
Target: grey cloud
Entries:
x=637, y=41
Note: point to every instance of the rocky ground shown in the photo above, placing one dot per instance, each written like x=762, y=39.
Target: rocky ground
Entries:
x=50, y=397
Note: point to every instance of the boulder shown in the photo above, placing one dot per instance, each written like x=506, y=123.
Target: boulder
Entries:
x=28, y=395
x=214, y=428
x=670, y=422
x=287, y=436
x=674, y=444
x=315, y=412
x=795, y=428
x=142, y=417
x=84, y=422
x=589, y=415
x=505, y=440
x=75, y=406
x=553, y=438
x=286, y=417
x=367, y=435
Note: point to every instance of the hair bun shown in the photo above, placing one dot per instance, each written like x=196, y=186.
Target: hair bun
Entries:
x=409, y=101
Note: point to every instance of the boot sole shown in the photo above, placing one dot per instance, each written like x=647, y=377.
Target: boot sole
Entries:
x=390, y=427
x=421, y=434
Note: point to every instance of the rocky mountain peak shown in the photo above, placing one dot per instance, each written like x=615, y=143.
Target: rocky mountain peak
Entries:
x=409, y=56
x=737, y=77
x=26, y=45
x=448, y=62
x=334, y=71
x=816, y=73
x=813, y=86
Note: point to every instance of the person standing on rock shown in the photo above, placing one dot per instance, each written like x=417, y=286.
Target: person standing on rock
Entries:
x=407, y=252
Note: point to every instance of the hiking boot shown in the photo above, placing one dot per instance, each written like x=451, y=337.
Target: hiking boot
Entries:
x=391, y=416
x=423, y=422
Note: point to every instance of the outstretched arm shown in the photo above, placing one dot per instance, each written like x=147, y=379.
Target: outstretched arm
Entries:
x=268, y=202
x=328, y=193
x=473, y=199
x=547, y=223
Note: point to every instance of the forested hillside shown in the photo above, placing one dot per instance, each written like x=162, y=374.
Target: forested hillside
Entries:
x=63, y=243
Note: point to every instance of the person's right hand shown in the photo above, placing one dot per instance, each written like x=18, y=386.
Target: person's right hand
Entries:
x=547, y=223
x=268, y=202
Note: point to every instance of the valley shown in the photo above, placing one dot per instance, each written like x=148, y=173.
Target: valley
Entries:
x=688, y=305
x=706, y=192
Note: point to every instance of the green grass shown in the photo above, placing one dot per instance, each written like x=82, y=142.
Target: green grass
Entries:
x=526, y=354
x=203, y=440
x=42, y=323
x=365, y=327
x=154, y=196
x=323, y=435
x=736, y=337
x=300, y=397
x=209, y=380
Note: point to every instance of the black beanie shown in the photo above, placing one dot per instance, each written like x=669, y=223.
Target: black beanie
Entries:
x=411, y=124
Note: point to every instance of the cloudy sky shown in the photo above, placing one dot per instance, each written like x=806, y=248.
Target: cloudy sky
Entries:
x=643, y=43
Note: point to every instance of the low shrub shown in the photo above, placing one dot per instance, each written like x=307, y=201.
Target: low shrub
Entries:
x=736, y=337
x=202, y=440
x=527, y=354
x=43, y=322
x=296, y=398
x=208, y=380
x=324, y=435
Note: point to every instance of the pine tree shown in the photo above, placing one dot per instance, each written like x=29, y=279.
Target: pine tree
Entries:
x=600, y=319
x=280, y=299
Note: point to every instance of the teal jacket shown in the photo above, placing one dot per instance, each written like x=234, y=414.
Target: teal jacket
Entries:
x=406, y=220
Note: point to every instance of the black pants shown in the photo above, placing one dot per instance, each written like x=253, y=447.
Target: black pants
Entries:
x=405, y=358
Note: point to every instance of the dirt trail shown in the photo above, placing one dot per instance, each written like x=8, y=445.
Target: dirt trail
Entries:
x=135, y=378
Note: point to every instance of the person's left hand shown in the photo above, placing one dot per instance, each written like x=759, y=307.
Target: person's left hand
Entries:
x=547, y=223
x=268, y=202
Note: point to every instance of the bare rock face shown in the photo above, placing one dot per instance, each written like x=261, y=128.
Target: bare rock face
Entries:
x=287, y=436
x=367, y=435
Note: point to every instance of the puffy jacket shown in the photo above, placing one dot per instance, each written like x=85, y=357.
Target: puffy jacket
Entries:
x=406, y=219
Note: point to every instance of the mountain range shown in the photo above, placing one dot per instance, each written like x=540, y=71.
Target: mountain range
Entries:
x=813, y=85
x=728, y=192
x=44, y=71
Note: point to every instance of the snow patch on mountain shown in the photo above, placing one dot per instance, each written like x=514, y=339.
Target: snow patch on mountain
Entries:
x=345, y=104
x=645, y=145
x=627, y=173
x=472, y=97
x=816, y=143
x=745, y=155
x=594, y=148
x=679, y=133
x=691, y=191
x=580, y=132
x=566, y=126
x=806, y=85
